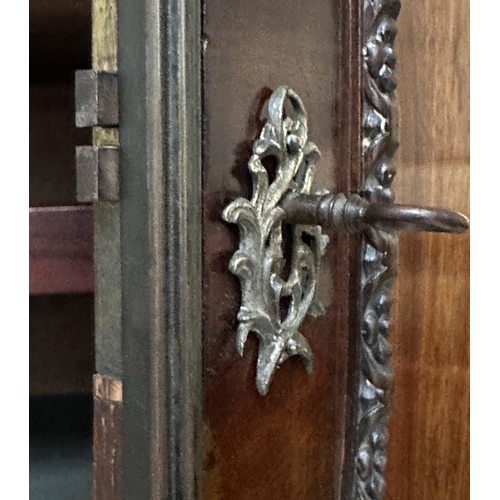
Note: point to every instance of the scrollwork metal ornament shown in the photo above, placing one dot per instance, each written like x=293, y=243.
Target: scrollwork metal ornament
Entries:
x=379, y=251
x=259, y=262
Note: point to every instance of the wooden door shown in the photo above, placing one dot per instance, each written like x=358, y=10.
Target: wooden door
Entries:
x=178, y=413
x=291, y=442
x=191, y=95
x=428, y=455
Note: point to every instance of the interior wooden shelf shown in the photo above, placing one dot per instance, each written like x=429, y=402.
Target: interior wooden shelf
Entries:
x=61, y=250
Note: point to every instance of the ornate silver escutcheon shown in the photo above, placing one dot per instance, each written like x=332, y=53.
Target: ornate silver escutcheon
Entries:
x=260, y=260
x=274, y=306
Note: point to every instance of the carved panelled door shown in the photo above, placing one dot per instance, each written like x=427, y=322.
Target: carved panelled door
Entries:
x=244, y=276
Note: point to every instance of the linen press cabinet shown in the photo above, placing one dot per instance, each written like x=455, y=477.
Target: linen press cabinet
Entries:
x=240, y=177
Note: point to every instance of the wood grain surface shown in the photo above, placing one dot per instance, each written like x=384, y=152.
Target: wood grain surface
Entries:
x=290, y=443
x=107, y=467
x=428, y=456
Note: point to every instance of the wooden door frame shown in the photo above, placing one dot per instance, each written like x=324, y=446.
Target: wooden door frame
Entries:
x=160, y=55
x=159, y=61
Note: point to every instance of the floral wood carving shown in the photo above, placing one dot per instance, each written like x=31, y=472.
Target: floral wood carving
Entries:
x=259, y=262
x=379, y=251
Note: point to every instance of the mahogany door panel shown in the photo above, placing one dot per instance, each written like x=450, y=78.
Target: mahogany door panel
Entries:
x=289, y=443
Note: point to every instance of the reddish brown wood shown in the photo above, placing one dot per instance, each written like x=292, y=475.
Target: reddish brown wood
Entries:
x=428, y=450
x=290, y=443
x=106, y=480
x=61, y=250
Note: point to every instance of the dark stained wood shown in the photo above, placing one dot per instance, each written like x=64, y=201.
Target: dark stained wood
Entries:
x=349, y=178
x=107, y=233
x=61, y=250
x=428, y=452
x=61, y=336
x=159, y=61
x=290, y=443
x=107, y=464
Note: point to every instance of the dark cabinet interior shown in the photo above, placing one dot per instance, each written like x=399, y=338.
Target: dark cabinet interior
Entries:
x=61, y=265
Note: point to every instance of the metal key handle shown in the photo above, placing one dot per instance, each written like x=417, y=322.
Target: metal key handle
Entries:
x=259, y=260
x=356, y=214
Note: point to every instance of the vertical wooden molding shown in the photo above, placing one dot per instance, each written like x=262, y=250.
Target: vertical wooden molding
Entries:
x=350, y=179
x=159, y=84
x=107, y=255
x=107, y=446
